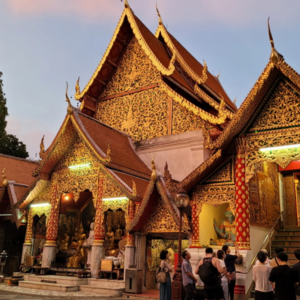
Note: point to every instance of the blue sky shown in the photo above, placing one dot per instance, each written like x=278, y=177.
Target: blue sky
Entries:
x=44, y=43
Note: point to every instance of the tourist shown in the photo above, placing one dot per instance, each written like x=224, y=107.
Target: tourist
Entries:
x=274, y=262
x=284, y=278
x=267, y=261
x=296, y=267
x=165, y=288
x=212, y=287
x=230, y=267
x=261, y=274
x=224, y=277
x=188, y=279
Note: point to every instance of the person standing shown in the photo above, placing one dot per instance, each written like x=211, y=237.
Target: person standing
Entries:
x=188, y=279
x=230, y=267
x=224, y=277
x=267, y=262
x=296, y=267
x=212, y=289
x=274, y=262
x=165, y=288
x=284, y=278
x=261, y=274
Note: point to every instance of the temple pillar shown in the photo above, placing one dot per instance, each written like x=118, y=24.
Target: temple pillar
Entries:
x=140, y=253
x=242, y=216
x=130, y=237
x=27, y=244
x=97, y=247
x=195, y=225
x=49, y=249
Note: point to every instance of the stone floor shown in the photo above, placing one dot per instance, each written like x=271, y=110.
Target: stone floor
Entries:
x=18, y=293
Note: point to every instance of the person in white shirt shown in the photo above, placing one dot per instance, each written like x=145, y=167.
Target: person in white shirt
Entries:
x=221, y=255
x=261, y=274
x=267, y=262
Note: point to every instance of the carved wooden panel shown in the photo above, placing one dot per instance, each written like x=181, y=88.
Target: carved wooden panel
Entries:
x=264, y=195
x=281, y=110
x=290, y=200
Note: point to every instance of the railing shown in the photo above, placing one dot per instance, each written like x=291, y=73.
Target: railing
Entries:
x=267, y=238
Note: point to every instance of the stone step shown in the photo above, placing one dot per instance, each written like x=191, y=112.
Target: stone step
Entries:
x=107, y=291
x=285, y=247
x=286, y=243
x=107, y=283
x=287, y=237
x=58, y=279
x=48, y=286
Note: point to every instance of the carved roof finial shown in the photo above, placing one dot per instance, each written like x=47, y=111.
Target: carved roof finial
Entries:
x=108, y=153
x=204, y=76
x=42, y=147
x=159, y=16
x=70, y=108
x=274, y=54
x=234, y=100
x=218, y=76
x=134, y=192
x=154, y=173
x=77, y=88
x=4, y=182
x=126, y=4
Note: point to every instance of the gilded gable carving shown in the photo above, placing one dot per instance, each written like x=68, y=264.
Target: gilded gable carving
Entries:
x=281, y=110
x=134, y=71
x=184, y=120
x=290, y=201
x=142, y=115
x=161, y=220
x=224, y=174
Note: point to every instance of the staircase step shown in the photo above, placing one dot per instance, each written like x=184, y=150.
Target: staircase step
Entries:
x=287, y=238
x=107, y=283
x=107, y=291
x=57, y=279
x=285, y=242
x=48, y=286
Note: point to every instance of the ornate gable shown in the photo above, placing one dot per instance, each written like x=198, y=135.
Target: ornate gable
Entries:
x=279, y=109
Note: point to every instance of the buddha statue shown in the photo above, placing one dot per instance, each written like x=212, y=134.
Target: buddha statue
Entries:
x=119, y=233
x=89, y=242
x=64, y=243
x=110, y=236
x=226, y=232
x=78, y=237
x=76, y=260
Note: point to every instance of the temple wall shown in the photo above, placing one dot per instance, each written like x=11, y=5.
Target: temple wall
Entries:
x=184, y=152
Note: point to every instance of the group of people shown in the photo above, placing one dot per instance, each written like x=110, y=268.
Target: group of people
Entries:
x=221, y=269
x=276, y=275
x=274, y=279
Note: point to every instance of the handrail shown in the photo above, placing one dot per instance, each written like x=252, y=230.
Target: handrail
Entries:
x=268, y=238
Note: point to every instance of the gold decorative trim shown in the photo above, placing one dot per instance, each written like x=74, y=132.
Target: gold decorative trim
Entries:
x=160, y=67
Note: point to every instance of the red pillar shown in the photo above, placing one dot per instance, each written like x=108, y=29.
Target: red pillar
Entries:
x=130, y=237
x=195, y=225
x=99, y=218
x=242, y=216
x=28, y=235
x=52, y=227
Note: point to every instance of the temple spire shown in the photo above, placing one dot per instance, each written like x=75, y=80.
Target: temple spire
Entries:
x=4, y=182
x=77, y=88
x=274, y=54
x=42, y=147
x=70, y=108
x=159, y=16
x=154, y=173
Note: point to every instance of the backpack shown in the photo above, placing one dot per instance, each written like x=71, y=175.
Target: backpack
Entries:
x=207, y=272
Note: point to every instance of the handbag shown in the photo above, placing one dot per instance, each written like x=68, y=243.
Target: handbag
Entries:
x=161, y=275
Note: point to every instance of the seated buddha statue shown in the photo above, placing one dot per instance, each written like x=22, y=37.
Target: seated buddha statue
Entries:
x=78, y=237
x=64, y=243
x=110, y=236
x=76, y=260
x=119, y=233
x=226, y=232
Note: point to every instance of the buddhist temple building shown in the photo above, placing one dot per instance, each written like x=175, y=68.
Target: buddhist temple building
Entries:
x=152, y=121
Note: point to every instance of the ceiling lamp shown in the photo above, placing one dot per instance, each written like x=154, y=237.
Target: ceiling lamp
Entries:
x=39, y=204
x=280, y=147
x=79, y=166
x=117, y=198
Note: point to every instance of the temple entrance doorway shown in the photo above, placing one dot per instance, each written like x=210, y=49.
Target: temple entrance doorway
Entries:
x=39, y=237
x=75, y=224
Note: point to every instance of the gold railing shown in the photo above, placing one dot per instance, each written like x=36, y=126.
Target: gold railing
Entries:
x=267, y=238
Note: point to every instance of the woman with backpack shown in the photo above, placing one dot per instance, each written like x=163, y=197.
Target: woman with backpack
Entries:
x=224, y=277
x=230, y=267
x=165, y=288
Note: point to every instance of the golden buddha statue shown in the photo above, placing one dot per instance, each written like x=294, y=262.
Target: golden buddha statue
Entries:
x=119, y=233
x=110, y=236
x=78, y=238
x=64, y=244
x=76, y=260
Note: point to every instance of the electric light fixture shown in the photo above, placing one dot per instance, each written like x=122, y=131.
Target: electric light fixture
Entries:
x=280, y=147
x=117, y=198
x=79, y=166
x=39, y=204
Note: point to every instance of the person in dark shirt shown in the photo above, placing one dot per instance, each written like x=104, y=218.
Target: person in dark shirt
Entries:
x=296, y=267
x=230, y=268
x=284, y=278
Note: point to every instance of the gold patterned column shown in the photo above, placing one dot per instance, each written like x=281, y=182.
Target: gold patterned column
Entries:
x=242, y=216
x=28, y=235
x=195, y=225
x=130, y=237
x=297, y=199
x=52, y=227
x=99, y=218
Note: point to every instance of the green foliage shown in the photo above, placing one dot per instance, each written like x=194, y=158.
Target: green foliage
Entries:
x=9, y=144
